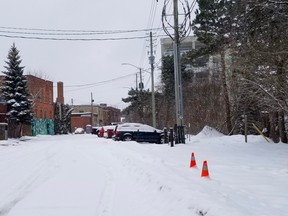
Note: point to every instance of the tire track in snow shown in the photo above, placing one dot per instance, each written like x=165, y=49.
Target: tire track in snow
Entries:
x=39, y=171
x=104, y=206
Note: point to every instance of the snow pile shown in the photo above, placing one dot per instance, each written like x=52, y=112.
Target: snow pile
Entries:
x=209, y=132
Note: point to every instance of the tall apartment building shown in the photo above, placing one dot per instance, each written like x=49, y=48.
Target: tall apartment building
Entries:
x=188, y=44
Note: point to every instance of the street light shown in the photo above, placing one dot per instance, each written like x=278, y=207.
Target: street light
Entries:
x=141, y=86
x=152, y=90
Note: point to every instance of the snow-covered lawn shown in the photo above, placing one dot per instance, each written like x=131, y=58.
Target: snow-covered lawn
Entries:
x=83, y=175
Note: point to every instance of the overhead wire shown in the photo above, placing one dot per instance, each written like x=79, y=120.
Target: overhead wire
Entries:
x=75, y=30
x=69, y=35
x=151, y=18
x=72, y=39
x=91, y=85
x=23, y=32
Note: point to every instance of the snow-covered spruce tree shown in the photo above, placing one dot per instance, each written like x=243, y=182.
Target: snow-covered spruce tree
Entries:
x=16, y=94
x=212, y=26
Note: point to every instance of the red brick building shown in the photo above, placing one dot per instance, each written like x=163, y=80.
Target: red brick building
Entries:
x=41, y=94
x=80, y=120
x=102, y=115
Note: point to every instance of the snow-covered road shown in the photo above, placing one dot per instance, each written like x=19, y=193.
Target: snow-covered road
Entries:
x=83, y=175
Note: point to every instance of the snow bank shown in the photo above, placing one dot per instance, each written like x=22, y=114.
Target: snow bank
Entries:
x=209, y=132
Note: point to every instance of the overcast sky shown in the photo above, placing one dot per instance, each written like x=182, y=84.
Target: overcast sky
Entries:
x=77, y=63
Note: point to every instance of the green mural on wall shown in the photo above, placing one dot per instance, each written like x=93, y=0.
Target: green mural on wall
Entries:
x=42, y=127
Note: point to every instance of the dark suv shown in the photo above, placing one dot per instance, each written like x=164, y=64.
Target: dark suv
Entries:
x=138, y=132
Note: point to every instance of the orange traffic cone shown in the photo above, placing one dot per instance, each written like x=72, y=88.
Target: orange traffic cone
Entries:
x=192, y=161
x=205, y=172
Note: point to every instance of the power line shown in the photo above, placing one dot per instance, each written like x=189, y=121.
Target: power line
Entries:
x=91, y=85
x=81, y=31
x=72, y=39
x=152, y=14
x=70, y=34
x=44, y=34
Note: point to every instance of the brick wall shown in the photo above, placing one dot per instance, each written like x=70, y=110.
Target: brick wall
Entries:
x=41, y=92
x=103, y=115
x=60, y=93
x=3, y=110
x=80, y=121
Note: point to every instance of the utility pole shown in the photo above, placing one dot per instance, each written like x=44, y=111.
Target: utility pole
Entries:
x=92, y=116
x=141, y=86
x=180, y=32
x=136, y=81
x=177, y=69
x=152, y=59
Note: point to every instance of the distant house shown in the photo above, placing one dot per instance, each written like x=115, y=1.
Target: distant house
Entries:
x=102, y=115
x=80, y=120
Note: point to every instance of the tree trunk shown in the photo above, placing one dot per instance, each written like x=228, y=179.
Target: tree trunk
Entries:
x=225, y=92
x=281, y=88
x=282, y=130
x=274, y=129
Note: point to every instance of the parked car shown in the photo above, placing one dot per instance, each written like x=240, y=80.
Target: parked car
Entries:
x=95, y=130
x=101, y=132
x=139, y=133
x=109, y=131
x=79, y=131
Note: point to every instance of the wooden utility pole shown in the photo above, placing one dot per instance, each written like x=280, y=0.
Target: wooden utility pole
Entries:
x=92, y=116
x=177, y=69
x=151, y=60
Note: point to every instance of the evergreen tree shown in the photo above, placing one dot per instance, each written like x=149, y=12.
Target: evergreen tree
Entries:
x=212, y=26
x=62, y=123
x=168, y=87
x=139, y=109
x=16, y=94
